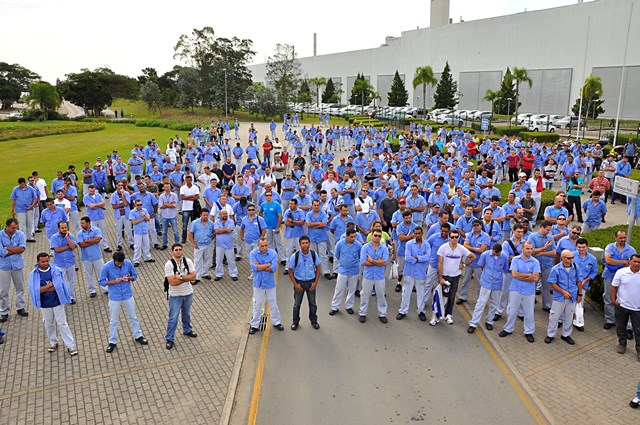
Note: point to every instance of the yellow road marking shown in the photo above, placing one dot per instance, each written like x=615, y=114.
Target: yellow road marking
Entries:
x=512, y=380
x=257, y=385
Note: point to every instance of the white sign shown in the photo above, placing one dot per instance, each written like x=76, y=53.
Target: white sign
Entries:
x=485, y=124
x=625, y=186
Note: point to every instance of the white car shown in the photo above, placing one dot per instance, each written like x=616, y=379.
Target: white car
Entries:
x=569, y=122
x=542, y=125
x=447, y=119
x=521, y=118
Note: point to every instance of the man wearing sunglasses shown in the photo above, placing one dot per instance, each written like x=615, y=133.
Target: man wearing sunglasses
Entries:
x=566, y=281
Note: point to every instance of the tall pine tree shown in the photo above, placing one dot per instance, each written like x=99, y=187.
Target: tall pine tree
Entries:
x=330, y=95
x=507, y=91
x=304, y=93
x=446, y=95
x=355, y=98
x=398, y=95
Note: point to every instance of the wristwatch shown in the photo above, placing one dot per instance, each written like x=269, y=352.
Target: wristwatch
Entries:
x=181, y=278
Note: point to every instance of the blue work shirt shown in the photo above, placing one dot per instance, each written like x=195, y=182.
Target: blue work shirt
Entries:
x=23, y=198
x=142, y=228
x=270, y=212
x=224, y=240
x=617, y=254
x=115, y=200
x=594, y=213
x=297, y=230
x=149, y=201
x=417, y=256
x=476, y=241
x=348, y=257
x=72, y=191
x=51, y=220
x=435, y=241
x=202, y=233
x=65, y=258
x=252, y=228
x=91, y=252
x=94, y=214
x=587, y=265
x=567, y=280
x=493, y=268
x=13, y=261
x=382, y=253
x=317, y=235
x=306, y=268
x=366, y=220
x=403, y=229
x=118, y=291
x=338, y=225
x=538, y=241
x=519, y=264
x=553, y=212
x=263, y=279
x=493, y=230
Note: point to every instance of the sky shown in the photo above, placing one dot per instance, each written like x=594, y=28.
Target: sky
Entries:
x=57, y=37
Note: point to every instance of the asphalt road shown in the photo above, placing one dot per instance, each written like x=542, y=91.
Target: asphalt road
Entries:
x=373, y=373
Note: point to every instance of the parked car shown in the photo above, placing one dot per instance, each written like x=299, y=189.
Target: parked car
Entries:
x=447, y=119
x=541, y=125
x=520, y=119
x=569, y=122
x=555, y=118
x=480, y=115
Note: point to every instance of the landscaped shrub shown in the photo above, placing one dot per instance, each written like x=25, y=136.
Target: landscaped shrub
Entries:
x=23, y=130
x=540, y=136
x=506, y=131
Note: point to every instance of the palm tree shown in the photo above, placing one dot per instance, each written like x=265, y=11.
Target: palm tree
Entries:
x=318, y=83
x=364, y=89
x=520, y=76
x=44, y=97
x=424, y=75
x=491, y=96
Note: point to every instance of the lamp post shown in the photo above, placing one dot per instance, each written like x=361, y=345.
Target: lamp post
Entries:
x=226, y=108
x=509, y=111
x=419, y=107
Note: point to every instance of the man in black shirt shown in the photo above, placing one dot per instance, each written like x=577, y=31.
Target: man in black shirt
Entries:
x=388, y=206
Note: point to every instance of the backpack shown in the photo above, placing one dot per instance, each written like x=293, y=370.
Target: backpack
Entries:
x=313, y=258
x=175, y=271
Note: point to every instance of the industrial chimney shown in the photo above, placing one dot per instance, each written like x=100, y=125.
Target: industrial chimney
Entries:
x=439, y=13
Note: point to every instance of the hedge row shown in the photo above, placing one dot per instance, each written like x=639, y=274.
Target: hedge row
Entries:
x=14, y=131
x=540, y=136
x=624, y=138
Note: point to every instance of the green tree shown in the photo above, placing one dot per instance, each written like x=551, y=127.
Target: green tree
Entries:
x=264, y=101
x=363, y=91
x=151, y=95
x=148, y=74
x=507, y=91
x=424, y=76
x=43, y=97
x=520, y=75
x=283, y=70
x=398, y=95
x=213, y=57
x=304, y=93
x=188, y=87
x=491, y=96
x=95, y=90
x=446, y=95
x=168, y=86
x=591, y=99
x=14, y=79
x=330, y=95
x=318, y=83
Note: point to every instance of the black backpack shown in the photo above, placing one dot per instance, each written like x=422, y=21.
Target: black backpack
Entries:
x=175, y=271
x=313, y=258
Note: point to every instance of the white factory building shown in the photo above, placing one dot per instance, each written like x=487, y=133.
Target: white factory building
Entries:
x=559, y=47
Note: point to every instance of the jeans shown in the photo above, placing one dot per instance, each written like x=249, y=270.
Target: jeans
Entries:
x=186, y=216
x=311, y=299
x=575, y=202
x=622, y=317
x=114, y=313
x=166, y=222
x=176, y=304
x=453, y=280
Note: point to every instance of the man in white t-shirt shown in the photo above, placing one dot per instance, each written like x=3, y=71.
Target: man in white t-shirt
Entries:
x=330, y=183
x=206, y=177
x=61, y=202
x=452, y=258
x=179, y=272
x=364, y=198
x=625, y=296
x=189, y=193
x=535, y=195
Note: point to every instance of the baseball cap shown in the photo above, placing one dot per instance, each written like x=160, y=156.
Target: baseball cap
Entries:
x=522, y=175
x=264, y=164
x=342, y=159
x=402, y=200
x=476, y=222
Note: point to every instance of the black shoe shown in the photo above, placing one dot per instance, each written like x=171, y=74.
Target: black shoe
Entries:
x=634, y=404
x=150, y=260
x=604, y=221
x=238, y=258
x=613, y=203
x=279, y=327
x=285, y=272
x=163, y=247
x=362, y=319
x=373, y=293
x=31, y=240
x=252, y=331
x=1, y=340
x=579, y=328
x=471, y=329
x=608, y=326
x=142, y=340
x=357, y=293
x=294, y=326
x=73, y=301
x=131, y=247
x=136, y=264
x=332, y=312
x=521, y=318
x=530, y=337
x=234, y=278
x=335, y=276
x=422, y=317
x=183, y=241
x=217, y=278
x=315, y=325
x=568, y=340
x=328, y=276
x=38, y=231
x=489, y=326
x=497, y=317
x=537, y=292
x=629, y=332
x=108, y=250
x=207, y=277
x=460, y=301
x=502, y=334
x=92, y=295
x=331, y=259
x=398, y=287
x=110, y=348
x=195, y=282
x=350, y=310
x=119, y=248
x=23, y=313
x=284, y=263
x=169, y=345
x=383, y=319
x=156, y=246
x=548, y=339
x=191, y=334
x=548, y=310
x=400, y=316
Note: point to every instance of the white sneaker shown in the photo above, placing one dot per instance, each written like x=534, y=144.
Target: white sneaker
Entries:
x=434, y=321
x=449, y=319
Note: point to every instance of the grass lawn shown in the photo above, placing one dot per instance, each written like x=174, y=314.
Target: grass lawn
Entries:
x=202, y=115
x=48, y=154
x=13, y=130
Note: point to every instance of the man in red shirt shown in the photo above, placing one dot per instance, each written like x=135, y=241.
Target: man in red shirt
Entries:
x=513, y=161
x=527, y=163
x=266, y=148
x=472, y=149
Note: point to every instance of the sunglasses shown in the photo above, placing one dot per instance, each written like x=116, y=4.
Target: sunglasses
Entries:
x=575, y=233
x=453, y=237
x=567, y=258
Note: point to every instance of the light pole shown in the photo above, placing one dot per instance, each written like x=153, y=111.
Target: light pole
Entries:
x=417, y=115
x=509, y=111
x=226, y=108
